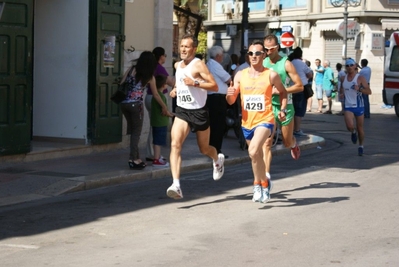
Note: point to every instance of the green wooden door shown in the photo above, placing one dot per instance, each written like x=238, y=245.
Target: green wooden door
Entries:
x=105, y=118
x=16, y=20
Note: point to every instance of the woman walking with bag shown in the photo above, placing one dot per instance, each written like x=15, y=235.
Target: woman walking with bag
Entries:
x=138, y=77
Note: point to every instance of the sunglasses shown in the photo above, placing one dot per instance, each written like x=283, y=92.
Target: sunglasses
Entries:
x=255, y=54
x=267, y=49
x=351, y=65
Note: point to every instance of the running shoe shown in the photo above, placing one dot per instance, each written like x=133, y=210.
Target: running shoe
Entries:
x=295, y=152
x=360, y=151
x=257, y=193
x=160, y=163
x=265, y=194
x=174, y=192
x=218, y=167
x=354, y=137
x=299, y=133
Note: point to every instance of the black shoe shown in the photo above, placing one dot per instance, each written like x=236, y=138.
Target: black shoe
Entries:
x=149, y=159
x=136, y=166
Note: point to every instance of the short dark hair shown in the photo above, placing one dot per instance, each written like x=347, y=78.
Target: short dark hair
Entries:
x=364, y=62
x=258, y=42
x=192, y=37
x=160, y=80
x=271, y=37
x=338, y=66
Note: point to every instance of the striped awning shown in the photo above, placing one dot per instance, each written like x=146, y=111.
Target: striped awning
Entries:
x=390, y=24
x=328, y=24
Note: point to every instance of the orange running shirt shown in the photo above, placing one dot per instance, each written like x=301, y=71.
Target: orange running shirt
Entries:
x=256, y=95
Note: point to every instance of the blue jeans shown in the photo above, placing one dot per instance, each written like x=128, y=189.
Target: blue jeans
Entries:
x=366, y=105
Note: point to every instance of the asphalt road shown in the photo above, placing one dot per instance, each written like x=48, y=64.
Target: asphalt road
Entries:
x=330, y=208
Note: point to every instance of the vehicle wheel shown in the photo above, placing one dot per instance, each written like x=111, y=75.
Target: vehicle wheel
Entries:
x=396, y=104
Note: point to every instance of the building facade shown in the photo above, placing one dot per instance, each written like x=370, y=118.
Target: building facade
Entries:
x=316, y=25
x=59, y=64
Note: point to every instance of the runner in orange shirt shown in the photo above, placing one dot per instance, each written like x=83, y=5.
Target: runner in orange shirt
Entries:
x=255, y=85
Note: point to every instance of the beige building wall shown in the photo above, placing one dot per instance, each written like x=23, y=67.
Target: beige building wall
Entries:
x=148, y=24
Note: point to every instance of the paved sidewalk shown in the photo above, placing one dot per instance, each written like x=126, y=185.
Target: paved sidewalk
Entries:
x=28, y=181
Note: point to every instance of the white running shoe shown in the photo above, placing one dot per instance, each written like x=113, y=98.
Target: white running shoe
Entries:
x=174, y=192
x=265, y=194
x=257, y=193
x=218, y=167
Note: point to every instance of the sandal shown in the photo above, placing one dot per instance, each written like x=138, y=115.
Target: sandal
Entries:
x=319, y=111
x=328, y=112
x=136, y=166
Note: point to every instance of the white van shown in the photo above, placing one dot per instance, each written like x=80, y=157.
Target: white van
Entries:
x=390, y=92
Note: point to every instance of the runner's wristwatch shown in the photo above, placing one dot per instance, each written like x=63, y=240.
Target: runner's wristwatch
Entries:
x=284, y=110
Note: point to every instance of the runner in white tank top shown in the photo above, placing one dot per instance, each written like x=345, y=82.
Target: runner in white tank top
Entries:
x=193, y=80
x=353, y=98
x=188, y=97
x=352, y=87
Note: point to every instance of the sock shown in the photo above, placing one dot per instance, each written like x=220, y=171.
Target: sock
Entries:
x=292, y=147
x=354, y=131
x=265, y=184
x=176, y=182
x=361, y=146
x=268, y=175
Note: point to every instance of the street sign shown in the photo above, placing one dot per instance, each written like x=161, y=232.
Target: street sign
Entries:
x=287, y=39
x=286, y=29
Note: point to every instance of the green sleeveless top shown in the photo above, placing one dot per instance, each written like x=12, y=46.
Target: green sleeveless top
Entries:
x=279, y=67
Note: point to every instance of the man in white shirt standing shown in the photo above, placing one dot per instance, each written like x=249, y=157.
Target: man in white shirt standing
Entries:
x=366, y=73
x=216, y=101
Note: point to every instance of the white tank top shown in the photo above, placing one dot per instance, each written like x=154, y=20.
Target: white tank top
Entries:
x=353, y=98
x=188, y=97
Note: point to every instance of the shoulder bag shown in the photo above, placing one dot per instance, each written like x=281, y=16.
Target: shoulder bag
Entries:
x=123, y=88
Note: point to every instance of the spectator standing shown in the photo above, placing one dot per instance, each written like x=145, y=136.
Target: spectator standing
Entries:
x=328, y=84
x=366, y=73
x=216, y=101
x=319, y=84
x=310, y=81
x=160, y=57
x=298, y=99
x=341, y=73
x=159, y=123
x=234, y=64
x=132, y=107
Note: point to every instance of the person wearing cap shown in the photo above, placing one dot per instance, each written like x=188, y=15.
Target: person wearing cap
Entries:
x=353, y=85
